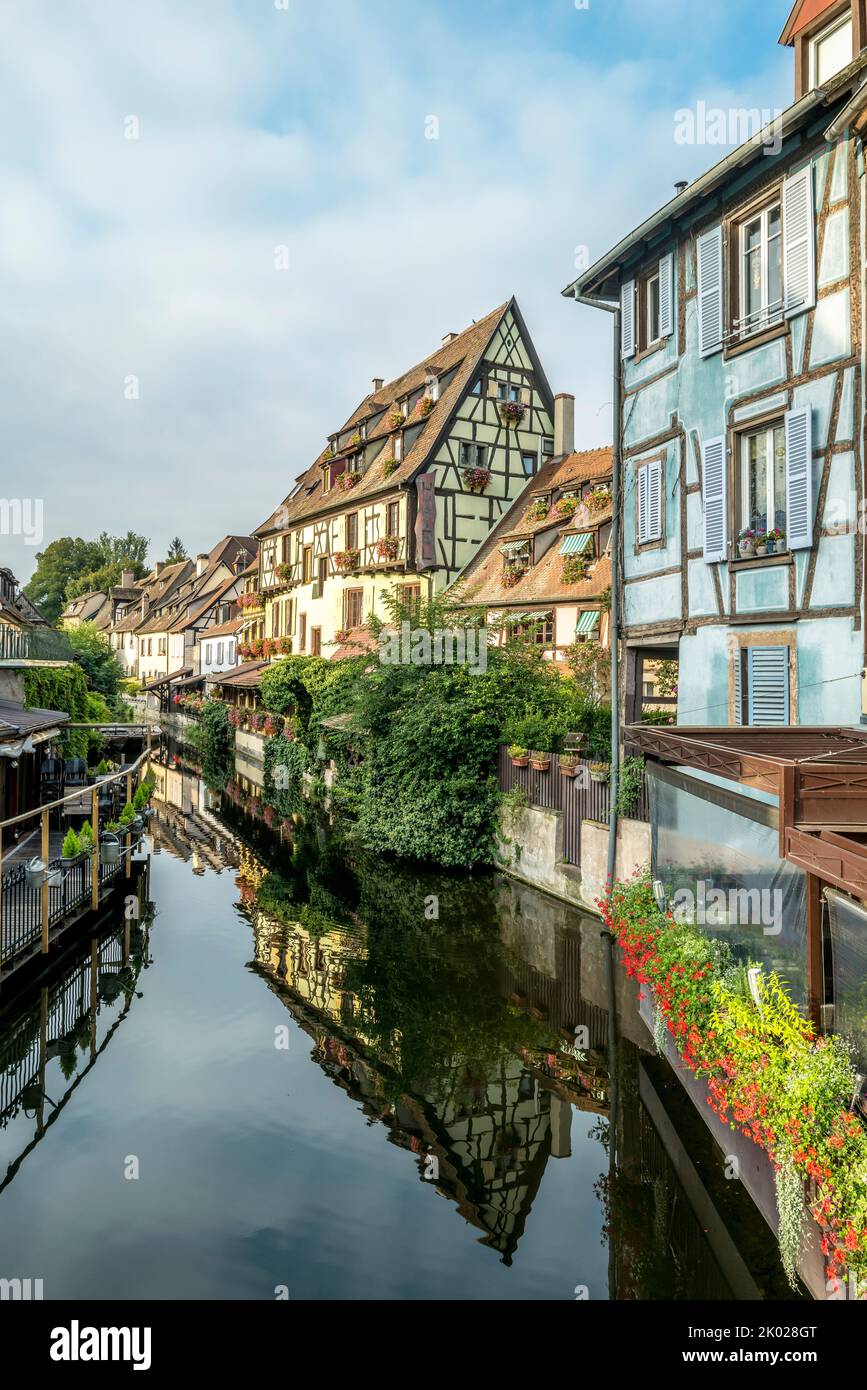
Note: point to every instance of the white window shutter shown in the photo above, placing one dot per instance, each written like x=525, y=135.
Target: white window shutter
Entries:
x=654, y=500
x=642, y=505
x=666, y=296
x=799, y=478
x=627, y=319
x=715, y=497
x=768, y=694
x=739, y=690
x=799, y=243
x=710, y=291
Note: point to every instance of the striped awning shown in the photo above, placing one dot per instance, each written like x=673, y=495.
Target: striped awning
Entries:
x=576, y=545
x=512, y=548
x=587, y=623
x=536, y=617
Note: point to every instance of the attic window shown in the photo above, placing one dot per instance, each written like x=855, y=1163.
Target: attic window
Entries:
x=432, y=386
x=831, y=50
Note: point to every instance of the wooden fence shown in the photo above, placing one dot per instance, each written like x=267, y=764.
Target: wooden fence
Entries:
x=579, y=798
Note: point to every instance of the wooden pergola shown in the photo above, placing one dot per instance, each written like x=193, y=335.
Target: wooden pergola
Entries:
x=819, y=776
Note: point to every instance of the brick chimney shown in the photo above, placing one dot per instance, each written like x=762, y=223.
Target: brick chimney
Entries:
x=448, y=338
x=127, y=579
x=159, y=566
x=378, y=383
x=564, y=424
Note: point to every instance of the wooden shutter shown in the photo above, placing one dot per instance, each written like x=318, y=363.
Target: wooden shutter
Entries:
x=739, y=687
x=768, y=685
x=666, y=296
x=642, y=504
x=799, y=243
x=710, y=292
x=627, y=319
x=715, y=496
x=799, y=478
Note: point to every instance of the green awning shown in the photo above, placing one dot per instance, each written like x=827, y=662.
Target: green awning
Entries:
x=587, y=624
x=536, y=617
x=576, y=545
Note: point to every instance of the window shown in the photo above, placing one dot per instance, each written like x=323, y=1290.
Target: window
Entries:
x=547, y=448
x=352, y=531
x=353, y=608
x=648, y=690
x=473, y=455
x=323, y=570
x=763, y=479
x=432, y=387
x=410, y=597
x=478, y=387
x=539, y=631
x=219, y=653
x=302, y=632
x=316, y=641
x=761, y=682
x=831, y=50
x=528, y=463
x=648, y=291
x=760, y=270
x=647, y=308
x=397, y=447
x=392, y=519
x=208, y=653
x=308, y=564
x=514, y=393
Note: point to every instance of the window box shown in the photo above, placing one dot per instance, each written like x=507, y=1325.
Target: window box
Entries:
x=476, y=479
x=540, y=762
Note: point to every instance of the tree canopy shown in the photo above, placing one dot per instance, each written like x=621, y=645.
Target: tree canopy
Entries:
x=71, y=566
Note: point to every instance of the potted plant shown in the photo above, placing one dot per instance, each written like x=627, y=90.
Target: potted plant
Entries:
x=476, y=479
x=746, y=543
x=540, y=761
x=391, y=465
x=513, y=573
x=566, y=506
x=128, y=819
x=600, y=772
x=574, y=569
x=70, y=852
x=346, y=560
x=395, y=419
x=387, y=547
x=346, y=481
x=85, y=839
x=569, y=763
x=597, y=500
x=520, y=756
x=538, y=510
x=426, y=406
x=512, y=412
x=761, y=542
x=776, y=541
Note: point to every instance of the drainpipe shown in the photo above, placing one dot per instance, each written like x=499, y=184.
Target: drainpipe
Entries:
x=614, y=622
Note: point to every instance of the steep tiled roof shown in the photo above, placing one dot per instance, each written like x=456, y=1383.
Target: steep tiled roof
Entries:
x=464, y=352
x=227, y=629
x=482, y=580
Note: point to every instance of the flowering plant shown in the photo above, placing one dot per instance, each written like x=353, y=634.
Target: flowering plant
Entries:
x=426, y=406
x=395, y=419
x=513, y=573
x=284, y=571
x=251, y=600
x=574, y=569
x=387, y=547
x=566, y=506
x=767, y=1072
x=747, y=534
x=477, y=479
x=256, y=720
x=538, y=510
x=597, y=499
x=347, y=559
x=390, y=466
x=270, y=725
x=512, y=412
x=345, y=482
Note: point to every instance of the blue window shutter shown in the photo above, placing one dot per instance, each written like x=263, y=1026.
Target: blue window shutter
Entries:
x=739, y=689
x=799, y=478
x=799, y=243
x=710, y=291
x=666, y=296
x=715, y=500
x=627, y=319
x=768, y=693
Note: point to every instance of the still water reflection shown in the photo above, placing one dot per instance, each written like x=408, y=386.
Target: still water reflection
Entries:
x=305, y=1069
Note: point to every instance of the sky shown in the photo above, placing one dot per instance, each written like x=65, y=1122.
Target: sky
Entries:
x=220, y=219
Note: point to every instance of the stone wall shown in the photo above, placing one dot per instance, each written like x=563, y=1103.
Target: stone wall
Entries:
x=531, y=849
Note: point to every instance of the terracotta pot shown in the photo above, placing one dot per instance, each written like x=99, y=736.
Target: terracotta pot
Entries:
x=540, y=764
x=520, y=762
x=568, y=769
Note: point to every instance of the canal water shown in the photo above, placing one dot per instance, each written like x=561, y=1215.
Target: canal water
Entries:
x=305, y=1074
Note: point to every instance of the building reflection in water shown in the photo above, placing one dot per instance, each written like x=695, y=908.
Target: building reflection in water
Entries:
x=475, y=1039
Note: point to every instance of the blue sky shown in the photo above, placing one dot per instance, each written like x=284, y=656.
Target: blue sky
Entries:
x=160, y=372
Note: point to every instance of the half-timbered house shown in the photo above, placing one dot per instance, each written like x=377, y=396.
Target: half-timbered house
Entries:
x=742, y=411
x=408, y=488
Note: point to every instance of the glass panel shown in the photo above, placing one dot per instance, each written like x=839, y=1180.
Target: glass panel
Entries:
x=847, y=923
x=741, y=891
x=780, y=478
x=775, y=259
x=653, y=309
x=757, y=481
x=833, y=52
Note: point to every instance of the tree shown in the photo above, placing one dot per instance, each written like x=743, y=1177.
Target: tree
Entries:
x=92, y=650
x=177, y=551
x=72, y=566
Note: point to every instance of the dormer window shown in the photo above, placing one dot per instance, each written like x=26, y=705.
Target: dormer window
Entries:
x=404, y=407
x=397, y=447
x=432, y=386
x=831, y=50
